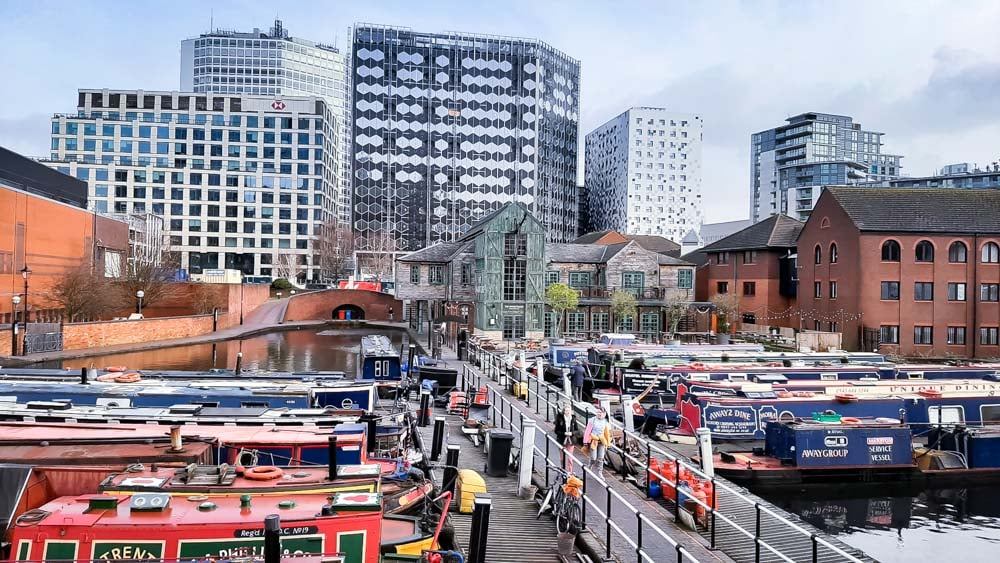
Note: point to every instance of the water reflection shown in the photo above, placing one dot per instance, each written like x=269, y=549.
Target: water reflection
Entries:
x=896, y=526
x=298, y=350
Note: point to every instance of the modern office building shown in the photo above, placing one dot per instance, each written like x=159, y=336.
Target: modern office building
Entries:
x=643, y=173
x=450, y=127
x=790, y=164
x=274, y=64
x=242, y=182
x=962, y=175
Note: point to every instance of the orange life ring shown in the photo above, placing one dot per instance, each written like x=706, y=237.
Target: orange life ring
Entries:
x=698, y=366
x=115, y=369
x=846, y=397
x=849, y=420
x=263, y=473
x=118, y=377
x=933, y=393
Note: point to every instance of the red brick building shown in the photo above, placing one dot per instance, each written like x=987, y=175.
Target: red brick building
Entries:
x=914, y=272
x=758, y=265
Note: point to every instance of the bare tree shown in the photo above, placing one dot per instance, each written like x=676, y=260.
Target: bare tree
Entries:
x=152, y=272
x=334, y=247
x=206, y=298
x=83, y=293
x=284, y=266
x=379, y=251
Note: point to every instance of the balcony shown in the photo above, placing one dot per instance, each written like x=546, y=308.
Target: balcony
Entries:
x=642, y=294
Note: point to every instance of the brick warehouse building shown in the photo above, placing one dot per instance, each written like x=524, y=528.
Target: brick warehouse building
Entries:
x=915, y=272
x=757, y=264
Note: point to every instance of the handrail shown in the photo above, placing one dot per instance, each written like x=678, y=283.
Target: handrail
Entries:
x=496, y=366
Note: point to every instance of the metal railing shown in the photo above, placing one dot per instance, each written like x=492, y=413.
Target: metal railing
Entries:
x=639, y=450
x=502, y=415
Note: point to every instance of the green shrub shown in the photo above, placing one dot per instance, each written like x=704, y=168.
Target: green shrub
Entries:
x=281, y=284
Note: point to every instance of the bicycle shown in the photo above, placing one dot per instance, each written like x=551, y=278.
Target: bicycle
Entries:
x=563, y=499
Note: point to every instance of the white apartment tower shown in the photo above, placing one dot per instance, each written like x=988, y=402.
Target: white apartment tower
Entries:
x=643, y=173
x=273, y=64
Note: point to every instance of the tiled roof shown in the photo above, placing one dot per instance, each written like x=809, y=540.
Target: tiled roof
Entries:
x=697, y=257
x=927, y=210
x=777, y=231
x=441, y=252
x=656, y=243
x=590, y=238
x=581, y=253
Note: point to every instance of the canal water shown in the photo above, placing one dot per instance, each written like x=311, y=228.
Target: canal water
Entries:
x=961, y=525
x=295, y=350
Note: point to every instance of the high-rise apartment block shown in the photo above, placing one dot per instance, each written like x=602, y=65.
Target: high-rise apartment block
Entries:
x=274, y=64
x=643, y=173
x=242, y=182
x=790, y=164
x=450, y=127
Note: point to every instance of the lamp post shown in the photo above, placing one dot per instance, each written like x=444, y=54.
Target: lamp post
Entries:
x=25, y=272
x=139, y=295
x=13, y=325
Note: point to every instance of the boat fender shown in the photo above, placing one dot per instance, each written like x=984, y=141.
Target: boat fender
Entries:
x=263, y=473
x=846, y=397
x=115, y=369
x=934, y=393
x=698, y=366
x=637, y=409
x=783, y=394
x=849, y=420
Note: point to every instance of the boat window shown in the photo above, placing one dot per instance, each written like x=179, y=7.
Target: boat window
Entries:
x=828, y=377
x=698, y=377
x=990, y=414
x=946, y=415
x=786, y=416
x=212, y=404
x=737, y=377
x=254, y=404
x=915, y=375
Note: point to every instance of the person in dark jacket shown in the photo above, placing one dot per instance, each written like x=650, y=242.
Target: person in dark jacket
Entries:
x=578, y=375
x=564, y=434
x=637, y=363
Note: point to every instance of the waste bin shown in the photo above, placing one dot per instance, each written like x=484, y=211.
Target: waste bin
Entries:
x=499, y=455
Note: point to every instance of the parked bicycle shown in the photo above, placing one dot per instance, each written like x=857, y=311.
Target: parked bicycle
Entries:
x=564, y=499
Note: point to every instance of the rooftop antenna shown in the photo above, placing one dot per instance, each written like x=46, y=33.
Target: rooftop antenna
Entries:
x=211, y=21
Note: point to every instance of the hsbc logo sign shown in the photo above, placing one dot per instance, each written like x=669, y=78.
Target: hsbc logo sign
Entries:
x=278, y=105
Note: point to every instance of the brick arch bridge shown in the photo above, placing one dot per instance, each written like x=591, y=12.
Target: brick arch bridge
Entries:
x=321, y=305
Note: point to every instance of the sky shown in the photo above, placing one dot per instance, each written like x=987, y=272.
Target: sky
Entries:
x=926, y=73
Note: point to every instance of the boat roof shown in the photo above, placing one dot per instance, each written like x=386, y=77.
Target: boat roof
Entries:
x=221, y=477
x=53, y=432
x=101, y=452
x=176, y=414
x=189, y=511
x=179, y=388
x=377, y=345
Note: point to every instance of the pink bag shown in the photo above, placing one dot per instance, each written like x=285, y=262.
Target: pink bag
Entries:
x=587, y=433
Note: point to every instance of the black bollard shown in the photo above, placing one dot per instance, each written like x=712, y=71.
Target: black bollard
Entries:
x=438, y=439
x=239, y=363
x=450, y=476
x=425, y=407
x=371, y=435
x=480, y=528
x=272, y=538
x=331, y=457
x=409, y=360
x=84, y=378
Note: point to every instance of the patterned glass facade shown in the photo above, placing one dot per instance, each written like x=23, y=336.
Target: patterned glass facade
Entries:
x=449, y=127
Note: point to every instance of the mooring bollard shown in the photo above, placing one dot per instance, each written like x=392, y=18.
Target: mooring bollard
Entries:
x=272, y=538
x=450, y=476
x=527, y=455
x=705, y=447
x=438, y=438
x=84, y=376
x=239, y=363
x=425, y=407
x=480, y=528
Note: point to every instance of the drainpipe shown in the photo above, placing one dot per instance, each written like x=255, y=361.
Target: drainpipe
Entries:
x=975, y=288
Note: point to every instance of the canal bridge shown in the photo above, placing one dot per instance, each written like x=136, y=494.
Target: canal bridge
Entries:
x=355, y=304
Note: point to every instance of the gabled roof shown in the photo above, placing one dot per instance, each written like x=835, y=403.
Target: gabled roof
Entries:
x=442, y=252
x=591, y=238
x=691, y=238
x=697, y=257
x=656, y=243
x=777, y=231
x=922, y=210
x=581, y=253
x=480, y=225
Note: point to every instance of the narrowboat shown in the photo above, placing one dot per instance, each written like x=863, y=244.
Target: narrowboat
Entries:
x=379, y=359
x=350, y=526
x=138, y=394
x=830, y=448
x=65, y=411
x=93, y=375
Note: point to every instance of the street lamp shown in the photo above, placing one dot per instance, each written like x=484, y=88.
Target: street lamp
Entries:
x=139, y=295
x=25, y=272
x=13, y=325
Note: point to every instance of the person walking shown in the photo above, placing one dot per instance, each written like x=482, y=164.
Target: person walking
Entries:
x=579, y=374
x=598, y=437
x=564, y=434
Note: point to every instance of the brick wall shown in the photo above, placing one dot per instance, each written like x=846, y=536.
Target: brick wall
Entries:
x=319, y=305
x=111, y=333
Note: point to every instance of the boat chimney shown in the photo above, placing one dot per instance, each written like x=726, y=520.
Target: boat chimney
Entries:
x=272, y=538
x=371, y=435
x=84, y=376
x=331, y=453
x=239, y=363
x=176, y=443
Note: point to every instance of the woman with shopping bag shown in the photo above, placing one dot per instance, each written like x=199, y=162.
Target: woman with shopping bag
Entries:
x=597, y=438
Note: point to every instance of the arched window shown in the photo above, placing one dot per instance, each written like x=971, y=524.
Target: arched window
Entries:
x=957, y=252
x=818, y=255
x=924, y=252
x=991, y=253
x=890, y=251
x=833, y=253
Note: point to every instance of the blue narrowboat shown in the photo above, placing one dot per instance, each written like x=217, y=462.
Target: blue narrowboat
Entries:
x=379, y=360
x=159, y=395
x=167, y=376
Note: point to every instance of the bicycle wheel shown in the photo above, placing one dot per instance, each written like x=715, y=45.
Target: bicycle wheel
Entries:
x=568, y=520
